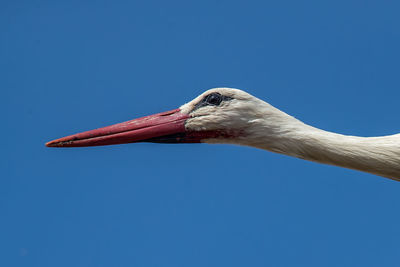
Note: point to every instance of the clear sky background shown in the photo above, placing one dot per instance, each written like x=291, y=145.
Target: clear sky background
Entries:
x=69, y=66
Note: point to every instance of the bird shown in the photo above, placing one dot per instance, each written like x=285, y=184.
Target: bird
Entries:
x=233, y=116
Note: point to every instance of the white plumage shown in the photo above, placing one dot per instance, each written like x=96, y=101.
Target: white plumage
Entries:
x=258, y=124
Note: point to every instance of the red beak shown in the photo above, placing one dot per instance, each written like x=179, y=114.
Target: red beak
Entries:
x=165, y=127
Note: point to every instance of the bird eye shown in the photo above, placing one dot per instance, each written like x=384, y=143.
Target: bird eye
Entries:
x=213, y=99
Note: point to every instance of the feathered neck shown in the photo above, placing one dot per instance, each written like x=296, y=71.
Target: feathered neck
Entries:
x=376, y=155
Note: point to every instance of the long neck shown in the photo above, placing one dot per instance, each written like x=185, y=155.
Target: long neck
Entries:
x=377, y=155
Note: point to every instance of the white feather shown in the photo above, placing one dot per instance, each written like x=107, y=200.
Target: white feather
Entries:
x=263, y=126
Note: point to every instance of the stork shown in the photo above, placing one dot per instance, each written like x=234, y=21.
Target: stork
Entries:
x=232, y=116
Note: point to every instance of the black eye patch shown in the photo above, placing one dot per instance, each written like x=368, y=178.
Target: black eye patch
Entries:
x=213, y=99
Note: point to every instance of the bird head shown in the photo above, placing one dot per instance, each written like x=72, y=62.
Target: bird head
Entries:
x=220, y=115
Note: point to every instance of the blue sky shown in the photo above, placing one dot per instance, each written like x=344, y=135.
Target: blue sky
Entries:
x=69, y=66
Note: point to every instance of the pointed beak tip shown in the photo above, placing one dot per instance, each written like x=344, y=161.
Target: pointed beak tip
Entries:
x=61, y=142
x=52, y=144
x=48, y=144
